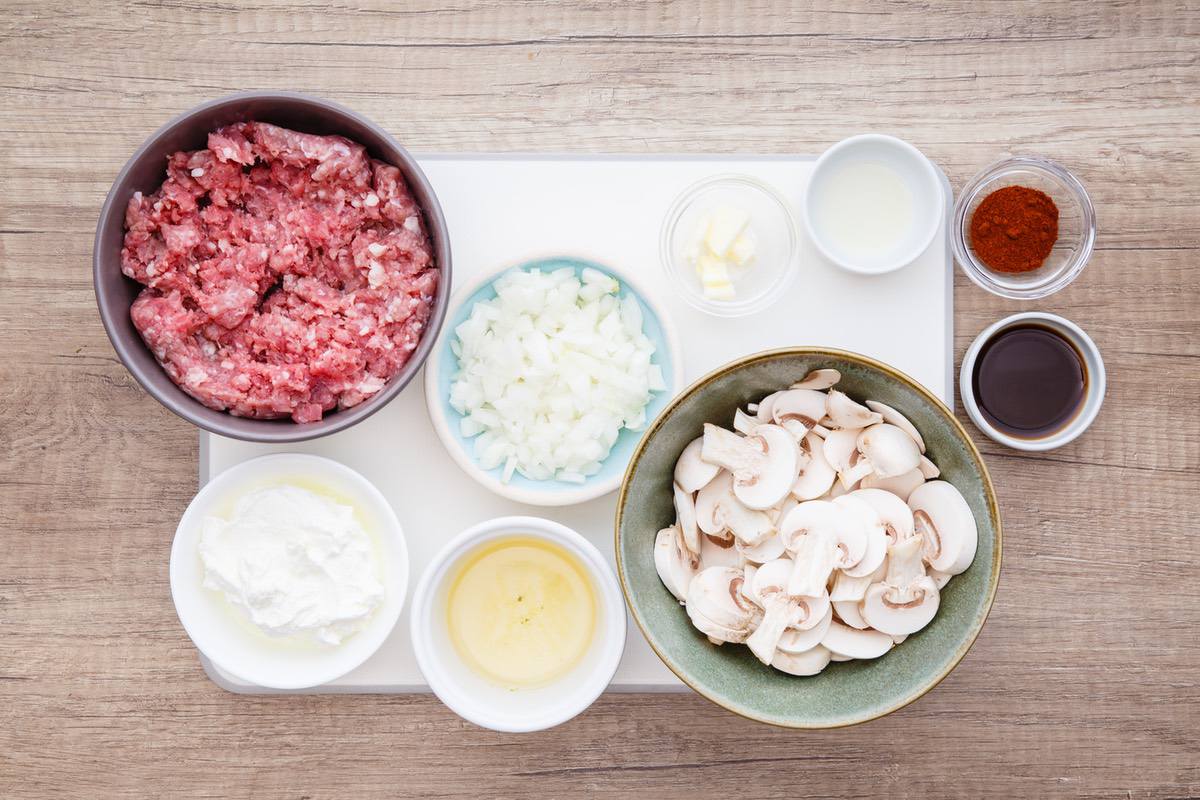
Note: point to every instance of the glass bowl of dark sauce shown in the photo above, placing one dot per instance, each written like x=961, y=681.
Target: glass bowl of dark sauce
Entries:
x=1033, y=381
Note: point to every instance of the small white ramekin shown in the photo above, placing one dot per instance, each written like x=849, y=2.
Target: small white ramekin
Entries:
x=224, y=634
x=500, y=708
x=919, y=175
x=1096, y=385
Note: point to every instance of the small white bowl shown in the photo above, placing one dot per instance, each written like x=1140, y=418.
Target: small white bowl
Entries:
x=442, y=365
x=503, y=709
x=221, y=630
x=919, y=176
x=1097, y=382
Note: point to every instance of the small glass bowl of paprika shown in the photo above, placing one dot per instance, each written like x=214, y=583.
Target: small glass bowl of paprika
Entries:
x=1023, y=228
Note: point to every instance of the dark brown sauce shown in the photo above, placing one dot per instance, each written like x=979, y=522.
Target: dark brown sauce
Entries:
x=1029, y=381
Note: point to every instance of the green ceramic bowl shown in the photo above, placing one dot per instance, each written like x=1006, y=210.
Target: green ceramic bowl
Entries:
x=845, y=693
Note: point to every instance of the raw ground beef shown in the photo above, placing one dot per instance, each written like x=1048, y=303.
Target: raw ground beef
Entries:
x=286, y=274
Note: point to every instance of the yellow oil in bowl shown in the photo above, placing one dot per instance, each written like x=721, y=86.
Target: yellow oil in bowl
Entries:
x=521, y=611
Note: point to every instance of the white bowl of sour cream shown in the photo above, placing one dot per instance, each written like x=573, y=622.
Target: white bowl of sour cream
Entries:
x=289, y=570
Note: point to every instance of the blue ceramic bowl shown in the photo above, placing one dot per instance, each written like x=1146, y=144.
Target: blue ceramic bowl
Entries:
x=443, y=365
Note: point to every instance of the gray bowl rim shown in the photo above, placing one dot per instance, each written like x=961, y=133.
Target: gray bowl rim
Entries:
x=273, y=431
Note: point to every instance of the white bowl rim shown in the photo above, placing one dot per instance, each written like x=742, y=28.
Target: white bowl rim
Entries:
x=441, y=424
x=368, y=640
x=1097, y=383
x=935, y=218
x=612, y=646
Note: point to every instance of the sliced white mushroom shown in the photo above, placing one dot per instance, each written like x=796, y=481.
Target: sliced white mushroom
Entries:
x=691, y=472
x=900, y=638
x=743, y=423
x=947, y=527
x=715, y=604
x=706, y=503
x=718, y=552
x=929, y=470
x=765, y=406
x=795, y=640
x=848, y=612
x=889, y=450
x=764, y=464
x=820, y=430
x=839, y=658
x=685, y=518
x=809, y=662
x=940, y=579
x=845, y=413
x=847, y=641
x=797, y=410
x=900, y=485
x=821, y=536
x=897, y=517
x=749, y=526
x=766, y=550
x=907, y=599
x=818, y=379
x=676, y=565
x=841, y=451
x=894, y=417
x=876, y=537
x=781, y=610
x=816, y=475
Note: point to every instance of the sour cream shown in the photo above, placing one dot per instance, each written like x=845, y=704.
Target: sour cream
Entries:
x=296, y=562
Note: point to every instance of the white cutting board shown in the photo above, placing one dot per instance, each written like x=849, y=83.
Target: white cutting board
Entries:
x=504, y=209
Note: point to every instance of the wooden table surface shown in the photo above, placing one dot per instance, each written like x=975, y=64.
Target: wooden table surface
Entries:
x=1084, y=681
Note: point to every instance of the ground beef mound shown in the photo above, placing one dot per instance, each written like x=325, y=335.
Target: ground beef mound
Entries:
x=286, y=274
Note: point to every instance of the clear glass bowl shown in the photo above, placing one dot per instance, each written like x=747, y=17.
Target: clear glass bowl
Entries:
x=776, y=235
x=1076, y=227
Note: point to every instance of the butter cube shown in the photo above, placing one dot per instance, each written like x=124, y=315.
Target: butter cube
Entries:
x=725, y=225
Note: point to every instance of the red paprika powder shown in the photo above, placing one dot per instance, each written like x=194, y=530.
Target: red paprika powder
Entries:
x=1014, y=229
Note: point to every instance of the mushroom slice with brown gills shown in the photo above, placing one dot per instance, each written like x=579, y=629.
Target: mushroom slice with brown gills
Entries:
x=685, y=518
x=894, y=417
x=900, y=485
x=816, y=474
x=944, y=520
x=818, y=379
x=906, y=599
x=795, y=640
x=797, y=410
x=864, y=644
x=716, y=607
x=896, y=515
x=764, y=465
x=840, y=449
x=716, y=551
x=872, y=524
x=821, y=536
x=676, y=565
x=693, y=473
x=706, y=503
x=768, y=549
x=889, y=450
x=781, y=610
x=845, y=413
x=810, y=662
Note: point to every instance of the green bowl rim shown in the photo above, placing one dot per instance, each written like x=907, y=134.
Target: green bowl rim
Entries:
x=765, y=355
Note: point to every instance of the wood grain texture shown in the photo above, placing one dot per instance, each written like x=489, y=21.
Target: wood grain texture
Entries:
x=1086, y=680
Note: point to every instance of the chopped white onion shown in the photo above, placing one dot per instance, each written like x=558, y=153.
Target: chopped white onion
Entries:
x=550, y=371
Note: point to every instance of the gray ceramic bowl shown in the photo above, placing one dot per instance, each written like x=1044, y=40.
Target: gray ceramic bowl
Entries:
x=845, y=693
x=145, y=172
